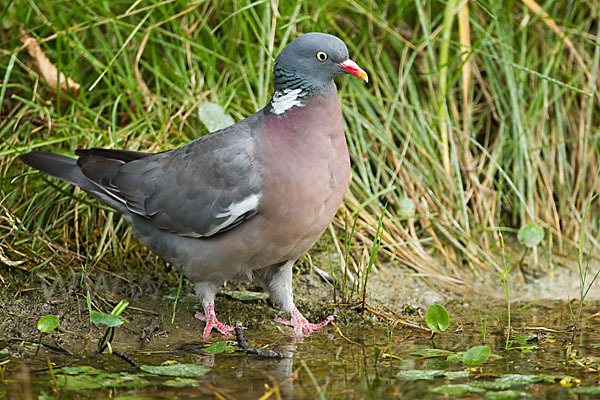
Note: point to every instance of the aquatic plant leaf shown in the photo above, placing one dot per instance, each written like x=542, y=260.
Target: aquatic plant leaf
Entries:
x=509, y=380
x=181, y=382
x=183, y=370
x=415, y=374
x=437, y=318
x=587, y=390
x=451, y=375
x=455, y=357
x=245, y=295
x=218, y=347
x=517, y=379
x=456, y=389
x=47, y=323
x=213, y=116
x=406, y=207
x=431, y=352
x=530, y=235
x=476, y=355
x=506, y=394
x=102, y=380
x=81, y=369
x=493, y=385
x=109, y=320
x=548, y=378
x=377, y=353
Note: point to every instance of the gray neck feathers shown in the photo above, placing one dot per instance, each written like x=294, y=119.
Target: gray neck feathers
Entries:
x=291, y=89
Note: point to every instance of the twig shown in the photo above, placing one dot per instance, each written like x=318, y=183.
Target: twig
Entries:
x=47, y=345
x=397, y=321
x=127, y=359
x=337, y=328
x=243, y=343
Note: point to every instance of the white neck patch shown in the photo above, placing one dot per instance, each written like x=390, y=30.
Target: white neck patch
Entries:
x=285, y=99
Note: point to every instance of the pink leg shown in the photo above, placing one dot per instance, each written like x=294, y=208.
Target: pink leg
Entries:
x=301, y=326
x=212, y=322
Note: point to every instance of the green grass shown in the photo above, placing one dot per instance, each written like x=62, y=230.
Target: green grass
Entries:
x=522, y=147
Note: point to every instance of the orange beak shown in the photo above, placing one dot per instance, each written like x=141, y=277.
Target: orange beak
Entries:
x=350, y=67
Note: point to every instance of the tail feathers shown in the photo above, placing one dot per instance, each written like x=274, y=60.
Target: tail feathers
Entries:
x=121, y=155
x=61, y=167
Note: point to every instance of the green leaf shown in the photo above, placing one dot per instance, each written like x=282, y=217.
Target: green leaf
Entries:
x=181, y=382
x=506, y=394
x=245, y=295
x=406, y=207
x=109, y=320
x=431, y=352
x=451, y=375
x=81, y=369
x=213, y=116
x=218, y=347
x=102, y=380
x=437, y=318
x=377, y=353
x=415, y=374
x=455, y=357
x=47, y=323
x=476, y=355
x=457, y=389
x=89, y=302
x=182, y=370
x=530, y=235
x=517, y=379
x=587, y=390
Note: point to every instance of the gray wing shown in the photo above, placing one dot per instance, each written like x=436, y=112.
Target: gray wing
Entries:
x=206, y=187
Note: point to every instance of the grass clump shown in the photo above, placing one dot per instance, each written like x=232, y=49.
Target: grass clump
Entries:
x=483, y=126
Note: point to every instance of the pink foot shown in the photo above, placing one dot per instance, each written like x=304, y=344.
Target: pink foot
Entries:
x=212, y=322
x=301, y=326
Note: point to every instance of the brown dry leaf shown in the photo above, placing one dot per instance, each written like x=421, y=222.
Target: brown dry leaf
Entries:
x=45, y=68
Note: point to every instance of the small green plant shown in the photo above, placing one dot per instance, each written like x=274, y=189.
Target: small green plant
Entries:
x=483, y=323
x=377, y=351
x=348, y=235
x=437, y=318
x=476, y=356
x=373, y=255
x=46, y=324
x=583, y=274
x=178, y=294
x=530, y=236
x=111, y=320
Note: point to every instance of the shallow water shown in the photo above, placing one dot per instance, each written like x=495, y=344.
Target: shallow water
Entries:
x=328, y=365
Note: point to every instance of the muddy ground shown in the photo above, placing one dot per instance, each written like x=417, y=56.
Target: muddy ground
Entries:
x=29, y=293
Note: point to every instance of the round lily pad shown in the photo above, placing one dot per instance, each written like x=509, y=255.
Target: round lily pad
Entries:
x=182, y=370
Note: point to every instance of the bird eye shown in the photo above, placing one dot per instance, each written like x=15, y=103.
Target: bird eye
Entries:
x=321, y=56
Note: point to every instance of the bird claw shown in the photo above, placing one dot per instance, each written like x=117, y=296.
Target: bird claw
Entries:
x=301, y=325
x=212, y=322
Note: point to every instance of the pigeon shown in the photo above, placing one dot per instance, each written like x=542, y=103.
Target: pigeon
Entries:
x=245, y=201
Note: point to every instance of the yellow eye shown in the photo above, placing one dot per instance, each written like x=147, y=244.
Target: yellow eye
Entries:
x=321, y=56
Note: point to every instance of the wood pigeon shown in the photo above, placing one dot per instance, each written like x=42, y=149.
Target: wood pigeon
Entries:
x=247, y=200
